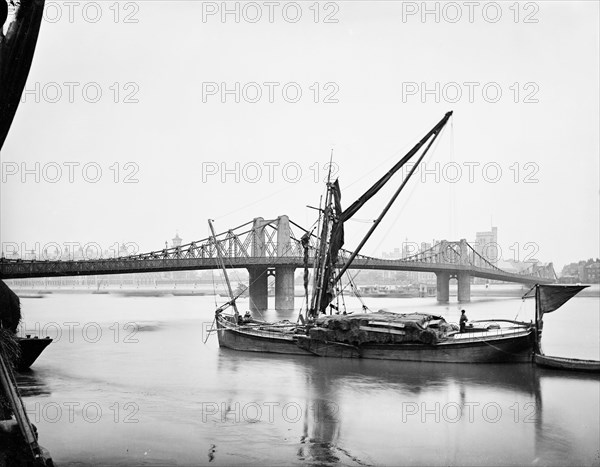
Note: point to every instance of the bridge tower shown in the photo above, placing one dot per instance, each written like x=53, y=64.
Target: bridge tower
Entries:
x=443, y=278
x=463, y=277
x=284, y=275
x=259, y=294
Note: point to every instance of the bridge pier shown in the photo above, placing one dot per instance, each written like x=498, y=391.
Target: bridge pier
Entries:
x=258, y=289
x=284, y=288
x=443, y=287
x=464, y=287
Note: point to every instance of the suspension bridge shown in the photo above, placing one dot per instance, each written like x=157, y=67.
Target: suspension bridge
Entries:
x=273, y=247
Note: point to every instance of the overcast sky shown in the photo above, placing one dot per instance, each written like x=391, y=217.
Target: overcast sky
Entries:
x=529, y=156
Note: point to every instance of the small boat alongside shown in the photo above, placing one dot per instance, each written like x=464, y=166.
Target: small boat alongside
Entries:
x=547, y=299
x=570, y=364
x=31, y=349
x=31, y=295
x=26, y=349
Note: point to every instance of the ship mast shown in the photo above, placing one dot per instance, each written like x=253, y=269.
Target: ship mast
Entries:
x=321, y=260
x=222, y=264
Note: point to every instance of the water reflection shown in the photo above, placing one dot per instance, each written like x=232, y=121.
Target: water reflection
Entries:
x=198, y=403
x=508, y=414
x=565, y=433
x=32, y=383
x=321, y=424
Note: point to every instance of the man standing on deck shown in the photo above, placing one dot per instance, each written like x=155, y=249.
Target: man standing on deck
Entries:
x=463, y=320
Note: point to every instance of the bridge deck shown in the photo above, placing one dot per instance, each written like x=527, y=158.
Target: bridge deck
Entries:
x=16, y=269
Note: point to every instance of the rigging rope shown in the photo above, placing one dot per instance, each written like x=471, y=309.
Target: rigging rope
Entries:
x=288, y=186
x=500, y=350
x=520, y=308
x=355, y=290
x=343, y=300
x=212, y=272
x=452, y=189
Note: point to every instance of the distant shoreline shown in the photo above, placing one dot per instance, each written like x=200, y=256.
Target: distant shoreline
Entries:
x=494, y=290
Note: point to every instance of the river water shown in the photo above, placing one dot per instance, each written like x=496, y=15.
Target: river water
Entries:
x=129, y=381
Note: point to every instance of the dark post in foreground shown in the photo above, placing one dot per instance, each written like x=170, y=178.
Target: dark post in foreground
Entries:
x=16, y=53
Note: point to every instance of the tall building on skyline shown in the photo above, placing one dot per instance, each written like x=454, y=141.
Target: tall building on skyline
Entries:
x=176, y=241
x=486, y=244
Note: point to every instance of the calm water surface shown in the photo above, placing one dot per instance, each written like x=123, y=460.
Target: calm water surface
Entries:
x=155, y=394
